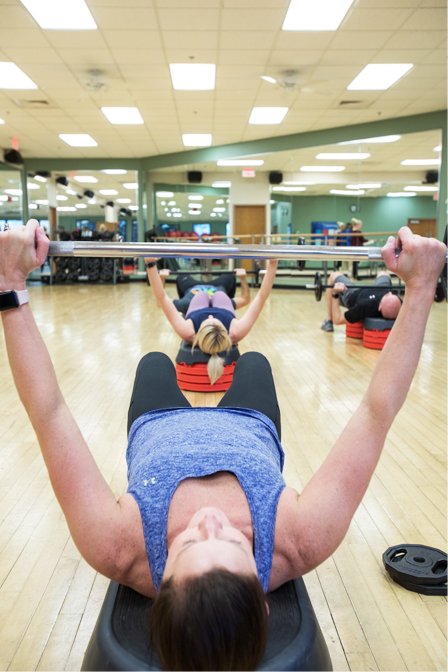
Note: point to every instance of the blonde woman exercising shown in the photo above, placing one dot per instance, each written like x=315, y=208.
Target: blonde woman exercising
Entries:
x=210, y=322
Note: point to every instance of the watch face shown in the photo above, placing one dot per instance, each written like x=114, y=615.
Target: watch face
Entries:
x=8, y=300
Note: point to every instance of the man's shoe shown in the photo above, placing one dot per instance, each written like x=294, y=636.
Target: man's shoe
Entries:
x=327, y=325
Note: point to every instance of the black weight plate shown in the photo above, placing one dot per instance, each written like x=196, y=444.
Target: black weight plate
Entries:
x=423, y=588
x=417, y=564
x=301, y=262
x=318, y=286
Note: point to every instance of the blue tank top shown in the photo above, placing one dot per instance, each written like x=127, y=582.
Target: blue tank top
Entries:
x=165, y=447
x=198, y=316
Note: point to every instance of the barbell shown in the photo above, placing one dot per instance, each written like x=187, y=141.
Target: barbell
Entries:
x=75, y=248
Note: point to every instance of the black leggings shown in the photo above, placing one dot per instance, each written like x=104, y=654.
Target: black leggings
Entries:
x=225, y=281
x=155, y=387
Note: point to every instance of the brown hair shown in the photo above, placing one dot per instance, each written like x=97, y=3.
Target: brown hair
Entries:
x=211, y=339
x=216, y=621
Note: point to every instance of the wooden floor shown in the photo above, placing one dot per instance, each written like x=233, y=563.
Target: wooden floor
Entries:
x=50, y=598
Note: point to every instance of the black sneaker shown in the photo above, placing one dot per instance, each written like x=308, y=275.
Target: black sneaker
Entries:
x=327, y=325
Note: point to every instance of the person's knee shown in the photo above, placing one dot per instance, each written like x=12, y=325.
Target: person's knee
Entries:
x=153, y=359
x=254, y=359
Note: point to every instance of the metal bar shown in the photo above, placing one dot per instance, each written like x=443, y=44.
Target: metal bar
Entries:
x=211, y=251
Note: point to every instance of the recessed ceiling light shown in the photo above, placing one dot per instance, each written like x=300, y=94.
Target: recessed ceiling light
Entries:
x=2, y=121
x=114, y=171
x=130, y=185
x=292, y=189
x=397, y=194
x=80, y=206
x=240, y=162
x=315, y=15
x=371, y=141
x=12, y=77
x=423, y=188
x=195, y=197
x=197, y=139
x=379, y=76
x=221, y=184
x=31, y=185
x=165, y=194
x=13, y=192
x=267, y=115
x=61, y=197
x=123, y=115
x=438, y=148
x=66, y=208
x=123, y=200
x=342, y=156
x=78, y=139
x=420, y=162
x=85, y=179
x=322, y=169
x=347, y=192
x=108, y=192
x=61, y=14
x=193, y=76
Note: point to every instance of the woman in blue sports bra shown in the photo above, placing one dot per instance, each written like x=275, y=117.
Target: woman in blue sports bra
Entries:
x=210, y=322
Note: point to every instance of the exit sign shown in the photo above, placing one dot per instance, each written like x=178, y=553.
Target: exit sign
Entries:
x=248, y=172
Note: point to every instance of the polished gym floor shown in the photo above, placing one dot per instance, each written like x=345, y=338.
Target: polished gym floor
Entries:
x=50, y=598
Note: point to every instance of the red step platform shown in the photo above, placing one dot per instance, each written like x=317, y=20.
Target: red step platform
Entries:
x=194, y=378
x=354, y=330
x=376, y=331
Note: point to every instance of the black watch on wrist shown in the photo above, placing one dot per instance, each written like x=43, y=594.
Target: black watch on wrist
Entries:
x=13, y=299
x=151, y=264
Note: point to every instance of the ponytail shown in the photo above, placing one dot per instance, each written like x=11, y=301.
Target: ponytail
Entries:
x=212, y=339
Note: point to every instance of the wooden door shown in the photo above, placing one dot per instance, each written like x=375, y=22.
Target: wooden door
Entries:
x=424, y=227
x=249, y=220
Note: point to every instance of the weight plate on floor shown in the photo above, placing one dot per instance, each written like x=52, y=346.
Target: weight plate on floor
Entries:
x=416, y=564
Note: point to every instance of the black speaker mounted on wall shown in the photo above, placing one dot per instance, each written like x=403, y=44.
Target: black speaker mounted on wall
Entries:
x=431, y=177
x=13, y=156
x=275, y=177
x=194, y=176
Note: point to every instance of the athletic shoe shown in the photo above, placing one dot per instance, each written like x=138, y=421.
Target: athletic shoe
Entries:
x=327, y=325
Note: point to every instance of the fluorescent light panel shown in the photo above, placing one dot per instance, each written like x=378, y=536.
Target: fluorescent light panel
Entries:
x=197, y=139
x=421, y=162
x=379, y=76
x=267, y=115
x=193, y=76
x=347, y=192
x=342, y=156
x=372, y=141
x=398, y=194
x=288, y=189
x=421, y=188
x=122, y=115
x=78, y=139
x=12, y=77
x=114, y=171
x=61, y=14
x=2, y=121
x=315, y=15
x=85, y=179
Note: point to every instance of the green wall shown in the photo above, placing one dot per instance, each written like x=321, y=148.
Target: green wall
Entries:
x=377, y=214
